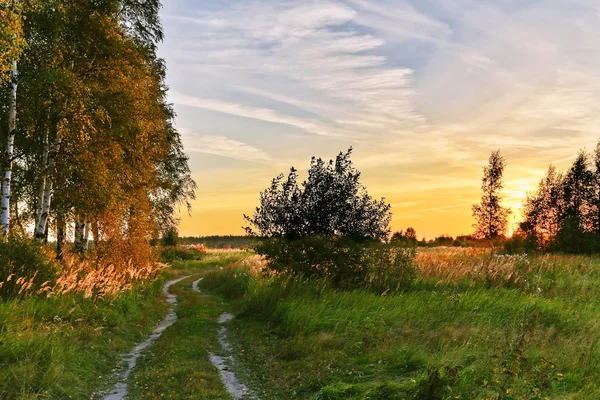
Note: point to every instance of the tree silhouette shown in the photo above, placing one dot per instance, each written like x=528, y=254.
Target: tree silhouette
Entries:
x=405, y=237
x=331, y=202
x=576, y=217
x=491, y=217
x=397, y=236
x=411, y=234
x=542, y=209
x=595, y=191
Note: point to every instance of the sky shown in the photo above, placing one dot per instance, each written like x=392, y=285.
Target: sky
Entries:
x=423, y=90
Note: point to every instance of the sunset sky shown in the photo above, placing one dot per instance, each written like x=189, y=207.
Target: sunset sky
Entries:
x=423, y=90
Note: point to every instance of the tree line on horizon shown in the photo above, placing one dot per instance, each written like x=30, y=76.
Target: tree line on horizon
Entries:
x=563, y=214
x=89, y=147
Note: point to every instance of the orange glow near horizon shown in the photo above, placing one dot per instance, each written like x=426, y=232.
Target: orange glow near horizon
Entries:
x=433, y=210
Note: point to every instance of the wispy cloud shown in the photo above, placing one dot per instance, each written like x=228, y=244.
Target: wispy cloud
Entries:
x=400, y=21
x=240, y=110
x=517, y=74
x=310, y=47
x=321, y=109
x=222, y=146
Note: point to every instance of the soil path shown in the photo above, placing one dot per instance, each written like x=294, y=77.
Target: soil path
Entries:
x=224, y=362
x=119, y=391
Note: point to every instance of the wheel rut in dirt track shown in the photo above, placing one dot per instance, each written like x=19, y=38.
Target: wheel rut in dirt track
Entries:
x=223, y=363
x=119, y=391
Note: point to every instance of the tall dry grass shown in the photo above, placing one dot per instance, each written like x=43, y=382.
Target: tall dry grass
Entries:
x=451, y=264
x=100, y=281
x=88, y=277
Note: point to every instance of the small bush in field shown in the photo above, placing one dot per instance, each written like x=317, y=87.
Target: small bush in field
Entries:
x=171, y=239
x=25, y=266
x=343, y=261
x=329, y=227
x=519, y=244
x=171, y=254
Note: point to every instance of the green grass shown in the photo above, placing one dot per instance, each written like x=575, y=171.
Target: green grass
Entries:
x=535, y=339
x=177, y=366
x=67, y=347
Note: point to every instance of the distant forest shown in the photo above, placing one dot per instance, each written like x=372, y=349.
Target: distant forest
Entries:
x=219, y=242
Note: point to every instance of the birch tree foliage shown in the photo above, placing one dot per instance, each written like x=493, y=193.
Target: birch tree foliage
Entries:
x=99, y=150
x=491, y=217
x=134, y=159
x=12, y=40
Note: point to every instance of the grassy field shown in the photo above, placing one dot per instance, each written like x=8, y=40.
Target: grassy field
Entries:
x=178, y=366
x=66, y=347
x=474, y=326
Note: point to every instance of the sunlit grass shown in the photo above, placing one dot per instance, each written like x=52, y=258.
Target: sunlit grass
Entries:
x=67, y=346
x=473, y=326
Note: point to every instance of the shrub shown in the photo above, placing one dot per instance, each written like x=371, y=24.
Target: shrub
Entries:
x=330, y=202
x=519, y=244
x=343, y=261
x=26, y=266
x=171, y=254
x=329, y=227
x=171, y=239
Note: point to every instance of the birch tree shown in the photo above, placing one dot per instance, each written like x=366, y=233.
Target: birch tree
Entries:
x=98, y=151
x=12, y=130
x=491, y=217
x=46, y=189
x=12, y=44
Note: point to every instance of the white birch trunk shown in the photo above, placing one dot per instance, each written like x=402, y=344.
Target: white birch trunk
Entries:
x=12, y=127
x=60, y=233
x=46, y=202
x=48, y=192
x=95, y=234
x=86, y=234
x=79, y=233
x=42, y=187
